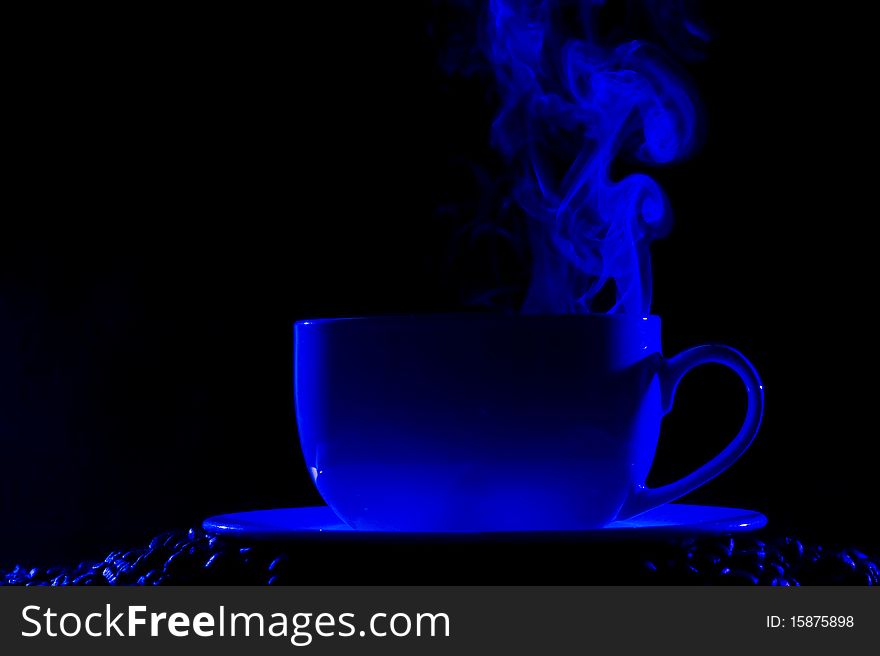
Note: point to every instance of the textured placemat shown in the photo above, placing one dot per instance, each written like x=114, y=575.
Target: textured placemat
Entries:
x=194, y=558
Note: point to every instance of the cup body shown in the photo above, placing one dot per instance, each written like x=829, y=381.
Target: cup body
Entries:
x=478, y=422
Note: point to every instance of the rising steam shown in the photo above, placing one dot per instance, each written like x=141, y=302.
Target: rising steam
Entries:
x=572, y=108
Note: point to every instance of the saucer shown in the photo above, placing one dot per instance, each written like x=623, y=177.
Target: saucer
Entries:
x=320, y=523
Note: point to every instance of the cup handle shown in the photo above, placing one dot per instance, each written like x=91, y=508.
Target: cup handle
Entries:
x=644, y=498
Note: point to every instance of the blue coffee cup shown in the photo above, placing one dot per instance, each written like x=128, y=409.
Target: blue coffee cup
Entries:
x=495, y=423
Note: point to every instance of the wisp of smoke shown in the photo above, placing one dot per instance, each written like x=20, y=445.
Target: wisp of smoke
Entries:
x=574, y=106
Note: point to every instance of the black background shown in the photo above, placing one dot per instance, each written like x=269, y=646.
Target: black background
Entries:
x=181, y=187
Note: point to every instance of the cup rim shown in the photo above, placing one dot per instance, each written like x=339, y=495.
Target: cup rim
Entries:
x=473, y=316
